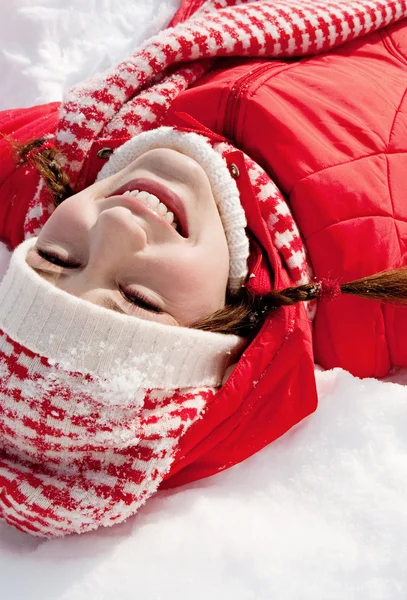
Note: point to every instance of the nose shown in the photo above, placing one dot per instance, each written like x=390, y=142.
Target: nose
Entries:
x=115, y=238
x=116, y=235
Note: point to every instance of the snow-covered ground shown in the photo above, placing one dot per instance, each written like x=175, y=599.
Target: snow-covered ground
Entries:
x=320, y=514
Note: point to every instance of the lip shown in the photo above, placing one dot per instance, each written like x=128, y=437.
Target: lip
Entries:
x=165, y=195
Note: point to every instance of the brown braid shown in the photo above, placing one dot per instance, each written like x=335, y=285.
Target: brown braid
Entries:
x=244, y=313
x=46, y=162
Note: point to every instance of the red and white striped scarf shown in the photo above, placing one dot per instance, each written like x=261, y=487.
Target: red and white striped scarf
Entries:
x=76, y=451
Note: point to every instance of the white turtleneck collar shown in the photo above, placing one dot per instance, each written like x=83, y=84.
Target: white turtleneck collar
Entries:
x=90, y=339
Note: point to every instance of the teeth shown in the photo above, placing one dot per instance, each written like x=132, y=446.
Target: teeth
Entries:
x=161, y=209
x=141, y=195
x=154, y=203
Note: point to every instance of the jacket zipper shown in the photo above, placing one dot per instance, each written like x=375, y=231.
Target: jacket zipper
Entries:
x=238, y=89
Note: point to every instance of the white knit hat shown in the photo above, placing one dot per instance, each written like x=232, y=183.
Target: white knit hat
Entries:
x=223, y=185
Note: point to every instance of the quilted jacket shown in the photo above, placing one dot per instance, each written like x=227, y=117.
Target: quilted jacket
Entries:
x=331, y=130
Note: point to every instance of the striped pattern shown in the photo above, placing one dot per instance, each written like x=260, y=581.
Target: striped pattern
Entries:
x=283, y=229
x=72, y=457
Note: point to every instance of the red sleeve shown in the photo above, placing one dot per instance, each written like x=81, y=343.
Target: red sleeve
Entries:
x=18, y=184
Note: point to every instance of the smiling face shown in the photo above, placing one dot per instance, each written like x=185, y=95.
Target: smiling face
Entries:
x=114, y=246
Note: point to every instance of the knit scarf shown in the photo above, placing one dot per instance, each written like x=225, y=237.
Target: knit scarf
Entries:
x=135, y=95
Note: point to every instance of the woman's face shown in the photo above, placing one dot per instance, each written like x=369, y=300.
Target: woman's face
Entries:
x=121, y=251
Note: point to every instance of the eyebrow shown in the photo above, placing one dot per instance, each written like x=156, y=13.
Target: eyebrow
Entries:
x=105, y=302
x=111, y=305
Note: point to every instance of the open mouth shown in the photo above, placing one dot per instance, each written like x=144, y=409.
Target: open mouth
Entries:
x=160, y=200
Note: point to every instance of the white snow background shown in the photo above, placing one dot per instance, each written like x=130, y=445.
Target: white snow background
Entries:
x=321, y=514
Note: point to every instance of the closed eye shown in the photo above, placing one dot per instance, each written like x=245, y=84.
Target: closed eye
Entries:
x=135, y=299
x=140, y=301
x=48, y=265
x=54, y=259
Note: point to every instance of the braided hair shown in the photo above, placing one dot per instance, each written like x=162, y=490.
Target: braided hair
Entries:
x=44, y=157
x=245, y=312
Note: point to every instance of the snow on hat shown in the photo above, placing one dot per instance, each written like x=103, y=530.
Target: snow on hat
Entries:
x=224, y=188
x=93, y=403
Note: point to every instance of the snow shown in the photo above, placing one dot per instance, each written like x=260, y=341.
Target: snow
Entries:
x=321, y=514
x=48, y=45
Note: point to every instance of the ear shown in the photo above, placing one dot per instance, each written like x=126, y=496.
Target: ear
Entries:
x=5, y=256
x=228, y=373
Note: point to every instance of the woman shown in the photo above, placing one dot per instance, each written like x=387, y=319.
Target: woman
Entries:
x=98, y=410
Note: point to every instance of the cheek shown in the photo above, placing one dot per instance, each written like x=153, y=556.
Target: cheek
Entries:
x=196, y=282
x=213, y=261
x=69, y=222
x=199, y=266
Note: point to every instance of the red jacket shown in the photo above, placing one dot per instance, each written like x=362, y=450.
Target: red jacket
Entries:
x=331, y=132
